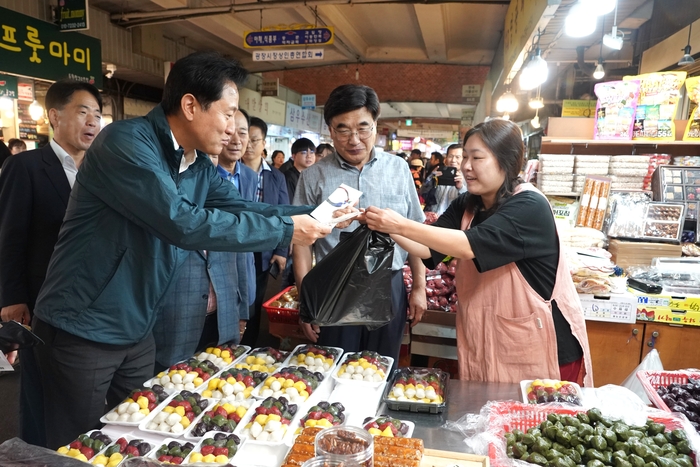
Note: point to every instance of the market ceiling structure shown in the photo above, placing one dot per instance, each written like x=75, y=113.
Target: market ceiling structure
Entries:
x=467, y=32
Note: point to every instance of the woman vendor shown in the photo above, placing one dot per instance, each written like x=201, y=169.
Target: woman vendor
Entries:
x=519, y=314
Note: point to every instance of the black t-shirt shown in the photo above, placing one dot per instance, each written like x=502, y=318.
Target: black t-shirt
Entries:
x=522, y=231
x=292, y=177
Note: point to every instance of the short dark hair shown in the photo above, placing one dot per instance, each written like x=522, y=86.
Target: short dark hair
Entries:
x=349, y=97
x=416, y=151
x=452, y=147
x=439, y=156
x=258, y=123
x=59, y=93
x=505, y=141
x=322, y=147
x=202, y=74
x=14, y=142
x=245, y=114
x=303, y=144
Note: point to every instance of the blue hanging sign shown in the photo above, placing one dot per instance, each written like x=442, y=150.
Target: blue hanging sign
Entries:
x=288, y=38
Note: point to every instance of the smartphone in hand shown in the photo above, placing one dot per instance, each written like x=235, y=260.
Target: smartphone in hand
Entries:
x=448, y=176
x=274, y=269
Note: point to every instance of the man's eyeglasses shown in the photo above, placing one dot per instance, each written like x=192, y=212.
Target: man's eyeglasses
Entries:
x=344, y=134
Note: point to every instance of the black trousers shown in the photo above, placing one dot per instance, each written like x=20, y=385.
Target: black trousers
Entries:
x=252, y=329
x=385, y=340
x=78, y=375
x=31, y=400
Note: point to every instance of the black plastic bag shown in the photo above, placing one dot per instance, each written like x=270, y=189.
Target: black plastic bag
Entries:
x=14, y=336
x=352, y=284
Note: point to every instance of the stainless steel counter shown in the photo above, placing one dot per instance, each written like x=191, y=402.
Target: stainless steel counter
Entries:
x=462, y=397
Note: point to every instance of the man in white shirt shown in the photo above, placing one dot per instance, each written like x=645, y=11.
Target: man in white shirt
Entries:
x=34, y=190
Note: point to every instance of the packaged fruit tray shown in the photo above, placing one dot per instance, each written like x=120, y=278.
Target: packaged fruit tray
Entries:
x=270, y=422
x=283, y=307
x=323, y=415
x=172, y=451
x=215, y=448
x=525, y=430
x=541, y=391
x=176, y=415
x=223, y=416
x=136, y=407
x=189, y=375
x=366, y=367
x=123, y=448
x=315, y=358
x=407, y=384
x=233, y=382
x=387, y=426
x=223, y=355
x=265, y=359
x=296, y=384
x=86, y=446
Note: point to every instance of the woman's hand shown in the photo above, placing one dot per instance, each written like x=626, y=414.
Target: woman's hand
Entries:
x=384, y=220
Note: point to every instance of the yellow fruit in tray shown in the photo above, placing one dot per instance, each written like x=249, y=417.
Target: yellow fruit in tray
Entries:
x=168, y=409
x=195, y=457
x=375, y=431
x=240, y=411
x=81, y=457
x=113, y=463
x=310, y=423
x=323, y=422
x=73, y=452
x=288, y=383
x=185, y=422
x=261, y=419
x=62, y=450
x=228, y=408
x=273, y=416
x=216, y=352
x=221, y=459
x=101, y=460
x=225, y=354
x=387, y=432
x=206, y=393
x=209, y=458
x=116, y=457
x=197, y=381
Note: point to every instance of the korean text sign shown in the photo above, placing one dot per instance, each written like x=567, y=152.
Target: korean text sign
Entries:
x=37, y=49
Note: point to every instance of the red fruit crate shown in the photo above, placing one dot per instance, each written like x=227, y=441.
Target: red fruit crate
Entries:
x=507, y=416
x=653, y=380
x=279, y=314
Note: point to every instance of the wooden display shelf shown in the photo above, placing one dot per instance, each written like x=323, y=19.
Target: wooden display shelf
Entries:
x=437, y=458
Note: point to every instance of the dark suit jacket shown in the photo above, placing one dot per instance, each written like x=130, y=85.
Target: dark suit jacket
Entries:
x=34, y=193
x=248, y=186
x=274, y=192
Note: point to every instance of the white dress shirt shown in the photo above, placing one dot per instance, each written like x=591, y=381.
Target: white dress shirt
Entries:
x=67, y=162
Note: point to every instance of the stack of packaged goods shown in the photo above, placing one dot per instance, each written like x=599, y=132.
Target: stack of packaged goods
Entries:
x=594, y=202
x=556, y=173
x=589, y=165
x=655, y=160
x=629, y=172
x=688, y=161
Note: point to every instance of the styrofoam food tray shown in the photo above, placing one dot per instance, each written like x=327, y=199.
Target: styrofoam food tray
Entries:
x=339, y=380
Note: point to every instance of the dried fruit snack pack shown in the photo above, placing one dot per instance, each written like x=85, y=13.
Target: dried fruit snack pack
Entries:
x=692, y=130
x=236, y=382
x=659, y=94
x=615, y=110
x=86, y=446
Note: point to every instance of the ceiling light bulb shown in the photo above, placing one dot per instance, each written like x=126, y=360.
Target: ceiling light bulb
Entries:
x=580, y=22
x=6, y=103
x=534, y=73
x=614, y=40
x=507, y=103
x=36, y=111
x=506, y=116
x=687, y=58
x=9, y=114
x=599, y=7
x=599, y=72
x=535, y=122
x=536, y=103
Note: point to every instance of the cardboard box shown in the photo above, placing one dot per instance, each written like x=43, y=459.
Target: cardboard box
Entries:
x=617, y=308
x=626, y=254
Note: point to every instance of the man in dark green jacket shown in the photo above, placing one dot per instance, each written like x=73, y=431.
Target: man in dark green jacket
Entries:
x=144, y=195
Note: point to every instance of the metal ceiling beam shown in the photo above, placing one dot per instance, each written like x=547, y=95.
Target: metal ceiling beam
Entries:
x=345, y=29
x=431, y=20
x=311, y=16
x=136, y=18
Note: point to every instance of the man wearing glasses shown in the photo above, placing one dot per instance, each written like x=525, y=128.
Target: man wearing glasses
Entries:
x=304, y=156
x=271, y=189
x=351, y=113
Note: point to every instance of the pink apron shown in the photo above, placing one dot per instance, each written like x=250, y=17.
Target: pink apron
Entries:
x=505, y=330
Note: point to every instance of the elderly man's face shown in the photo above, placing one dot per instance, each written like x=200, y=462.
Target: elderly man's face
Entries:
x=354, y=134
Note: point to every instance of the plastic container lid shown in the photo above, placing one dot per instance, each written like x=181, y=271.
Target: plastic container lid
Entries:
x=337, y=440
x=324, y=461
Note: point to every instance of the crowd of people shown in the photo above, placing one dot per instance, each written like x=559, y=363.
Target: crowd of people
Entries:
x=132, y=247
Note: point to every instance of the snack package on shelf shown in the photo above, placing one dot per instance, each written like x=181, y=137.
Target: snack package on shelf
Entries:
x=658, y=99
x=591, y=272
x=615, y=110
x=594, y=202
x=591, y=165
x=692, y=130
